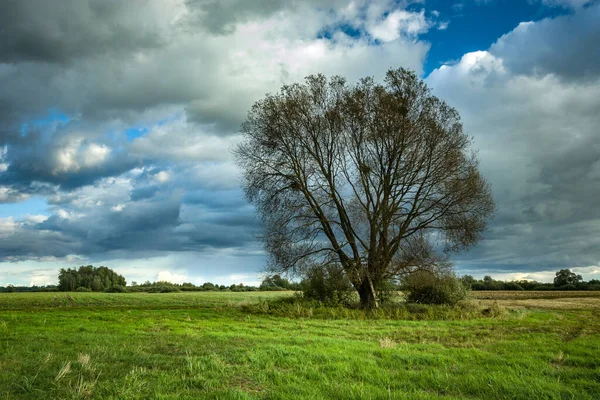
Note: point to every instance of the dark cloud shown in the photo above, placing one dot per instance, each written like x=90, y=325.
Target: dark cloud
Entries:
x=65, y=155
x=114, y=216
x=222, y=16
x=60, y=32
x=31, y=243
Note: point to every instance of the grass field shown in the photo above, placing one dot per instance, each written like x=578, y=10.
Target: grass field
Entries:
x=214, y=345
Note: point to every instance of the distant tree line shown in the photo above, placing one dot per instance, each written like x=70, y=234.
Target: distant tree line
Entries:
x=564, y=280
x=35, y=288
x=269, y=283
x=89, y=278
x=168, y=287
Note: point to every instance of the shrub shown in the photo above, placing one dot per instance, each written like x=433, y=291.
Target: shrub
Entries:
x=327, y=284
x=83, y=289
x=300, y=307
x=116, y=289
x=495, y=311
x=275, y=282
x=569, y=286
x=512, y=286
x=387, y=291
x=426, y=287
x=169, y=289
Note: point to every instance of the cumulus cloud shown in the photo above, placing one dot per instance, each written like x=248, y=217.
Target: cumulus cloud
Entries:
x=397, y=23
x=562, y=46
x=168, y=276
x=537, y=136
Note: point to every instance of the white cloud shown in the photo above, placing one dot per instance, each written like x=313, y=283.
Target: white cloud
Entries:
x=219, y=266
x=162, y=176
x=68, y=215
x=249, y=279
x=7, y=226
x=42, y=279
x=118, y=208
x=172, y=277
x=561, y=46
x=10, y=195
x=66, y=157
x=74, y=154
x=397, y=23
x=589, y=272
x=179, y=140
x=35, y=219
x=94, y=154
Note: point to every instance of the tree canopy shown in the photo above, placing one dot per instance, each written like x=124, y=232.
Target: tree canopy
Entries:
x=565, y=277
x=375, y=177
x=87, y=276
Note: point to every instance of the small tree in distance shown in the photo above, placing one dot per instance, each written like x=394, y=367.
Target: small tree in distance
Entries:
x=372, y=177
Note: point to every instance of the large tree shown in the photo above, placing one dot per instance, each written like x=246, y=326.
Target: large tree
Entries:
x=374, y=177
x=566, y=277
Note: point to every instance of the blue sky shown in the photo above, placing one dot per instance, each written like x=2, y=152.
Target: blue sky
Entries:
x=117, y=124
x=475, y=25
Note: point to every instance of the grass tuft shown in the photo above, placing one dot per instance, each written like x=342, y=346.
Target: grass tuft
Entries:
x=64, y=370
x=387, y=343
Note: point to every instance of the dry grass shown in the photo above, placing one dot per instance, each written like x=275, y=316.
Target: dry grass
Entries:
x=532, y=294
x=84, y=360
x=549, y=300
x=387, y=343
x=66, y=368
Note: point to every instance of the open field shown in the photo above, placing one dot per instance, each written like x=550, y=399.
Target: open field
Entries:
x=211, y=345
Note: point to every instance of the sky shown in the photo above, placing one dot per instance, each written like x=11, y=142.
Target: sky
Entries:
x=117, y=120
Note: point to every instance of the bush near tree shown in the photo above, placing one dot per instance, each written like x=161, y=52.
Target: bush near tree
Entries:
x=427, y=287
x=327, y=284
x=276, y=282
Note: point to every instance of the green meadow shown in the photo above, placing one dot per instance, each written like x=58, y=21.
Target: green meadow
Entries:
x=207, y=345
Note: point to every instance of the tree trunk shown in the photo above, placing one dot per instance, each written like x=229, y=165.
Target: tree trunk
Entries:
x=368, y=296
